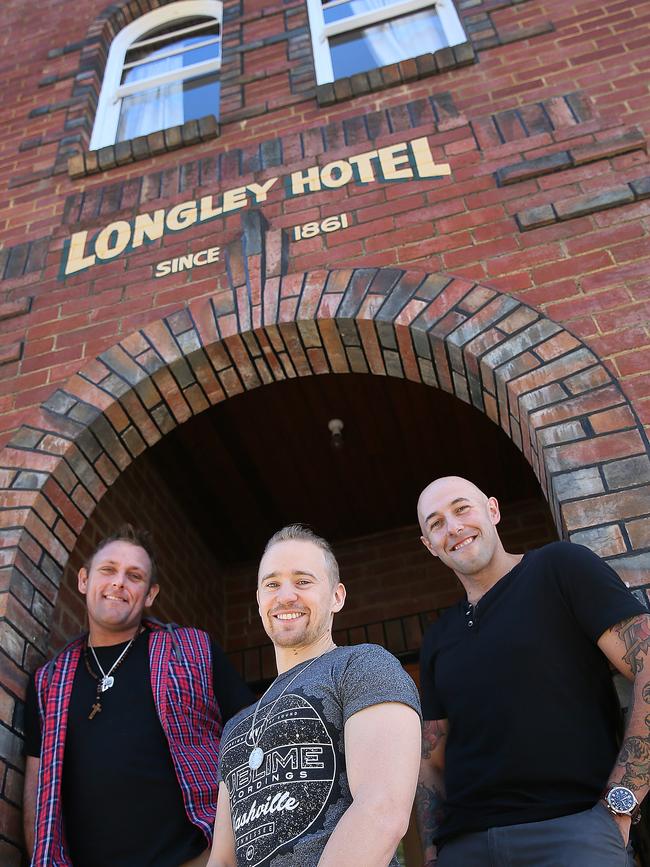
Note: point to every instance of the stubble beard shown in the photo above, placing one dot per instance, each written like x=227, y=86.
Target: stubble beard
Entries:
x=311, y=634
x=480, y=559
x=110, y=617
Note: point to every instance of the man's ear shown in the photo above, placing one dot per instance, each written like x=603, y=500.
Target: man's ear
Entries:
x=493, y=509
x=339, y=597
x=154, y=590
x=82, y=580
x=428, y=546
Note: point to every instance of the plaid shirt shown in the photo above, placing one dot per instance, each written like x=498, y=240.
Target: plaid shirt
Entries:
x=181, y=675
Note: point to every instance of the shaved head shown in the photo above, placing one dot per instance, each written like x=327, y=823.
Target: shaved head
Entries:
x=459, y=526
x=457, y=484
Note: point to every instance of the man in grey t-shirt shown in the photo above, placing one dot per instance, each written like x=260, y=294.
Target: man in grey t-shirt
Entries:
x=321, y=772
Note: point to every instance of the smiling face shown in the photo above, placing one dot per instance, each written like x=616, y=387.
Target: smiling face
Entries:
x=296, y=598
x=458, y=524
x=117, y=586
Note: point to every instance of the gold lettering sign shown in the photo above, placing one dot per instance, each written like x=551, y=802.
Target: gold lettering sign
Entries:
x=410, y=160
x=183, y=263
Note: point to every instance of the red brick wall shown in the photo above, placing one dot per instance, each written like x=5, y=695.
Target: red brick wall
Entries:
x=588, y=272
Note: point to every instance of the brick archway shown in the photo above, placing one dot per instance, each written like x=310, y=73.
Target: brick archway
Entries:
x=545, y=388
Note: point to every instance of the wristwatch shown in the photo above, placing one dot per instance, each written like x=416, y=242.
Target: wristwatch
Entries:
x=621, y=801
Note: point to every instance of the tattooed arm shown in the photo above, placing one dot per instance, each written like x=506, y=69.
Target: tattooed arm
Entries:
x=430, y=791
x=626, y=646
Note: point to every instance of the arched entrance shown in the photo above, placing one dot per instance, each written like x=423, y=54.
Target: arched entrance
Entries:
x=547, y=391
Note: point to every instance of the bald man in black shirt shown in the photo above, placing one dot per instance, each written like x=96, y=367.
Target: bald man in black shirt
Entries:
x=520, y=748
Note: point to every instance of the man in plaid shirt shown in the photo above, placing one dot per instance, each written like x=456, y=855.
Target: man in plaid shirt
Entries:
x=123, y=728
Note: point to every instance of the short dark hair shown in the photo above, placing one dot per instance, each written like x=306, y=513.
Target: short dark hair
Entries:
x=135, y=536
x=300, y=533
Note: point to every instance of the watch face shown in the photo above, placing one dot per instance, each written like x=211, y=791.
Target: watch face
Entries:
x=621, y=799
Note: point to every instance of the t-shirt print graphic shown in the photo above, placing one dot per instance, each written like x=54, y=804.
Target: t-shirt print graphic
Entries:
x=283, y=798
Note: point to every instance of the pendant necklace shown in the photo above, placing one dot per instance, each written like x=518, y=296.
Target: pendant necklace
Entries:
x=256, y=756
x=107, y=680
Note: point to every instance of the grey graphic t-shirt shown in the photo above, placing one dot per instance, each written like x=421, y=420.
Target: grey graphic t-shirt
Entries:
x=284, y=812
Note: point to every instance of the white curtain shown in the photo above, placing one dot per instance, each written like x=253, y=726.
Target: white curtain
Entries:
x=391, y=41
x=153, y=108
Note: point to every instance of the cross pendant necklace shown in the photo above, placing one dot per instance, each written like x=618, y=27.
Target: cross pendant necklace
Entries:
x=95, y=710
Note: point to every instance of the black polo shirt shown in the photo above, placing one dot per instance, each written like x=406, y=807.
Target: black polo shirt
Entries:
x=533, y=714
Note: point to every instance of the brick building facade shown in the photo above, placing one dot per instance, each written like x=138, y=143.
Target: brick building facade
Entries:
x=472, y=221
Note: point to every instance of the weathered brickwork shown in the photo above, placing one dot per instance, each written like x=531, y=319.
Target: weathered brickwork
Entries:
x=422, y=66
x=518, y=282
x=142, y=147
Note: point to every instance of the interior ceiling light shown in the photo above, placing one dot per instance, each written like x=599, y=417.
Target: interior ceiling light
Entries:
x=335, y=426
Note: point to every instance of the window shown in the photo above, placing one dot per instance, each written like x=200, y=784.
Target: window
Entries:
x=162, y=70
x=350, y=36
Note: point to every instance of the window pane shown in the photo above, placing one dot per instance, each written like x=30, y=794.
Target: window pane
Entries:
x=160, y=41
x=352, y=7
x=388, y=42
x=201, y=97
x=171, y=104
x=175, y=61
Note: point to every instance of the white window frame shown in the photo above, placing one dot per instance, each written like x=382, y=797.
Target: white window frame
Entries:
x=110, y=98
x=321, y=32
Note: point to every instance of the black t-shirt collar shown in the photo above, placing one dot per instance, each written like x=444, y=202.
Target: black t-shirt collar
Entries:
x=494, y=593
